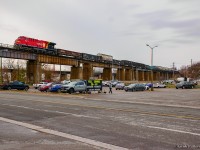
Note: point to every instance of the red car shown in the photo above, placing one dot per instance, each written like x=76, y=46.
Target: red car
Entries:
x=46, y=88
x=23, y=41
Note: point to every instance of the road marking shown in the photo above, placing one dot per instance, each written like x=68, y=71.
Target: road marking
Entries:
x=179, y=131
x=65, y=135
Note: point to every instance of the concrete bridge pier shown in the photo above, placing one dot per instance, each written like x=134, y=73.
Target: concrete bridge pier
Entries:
x=128, y=74
x=133, y=75
x=146, y=76
x=33, y=71
x=121, y=74
x=107, y=74
x=87, y=71
x=76, y=72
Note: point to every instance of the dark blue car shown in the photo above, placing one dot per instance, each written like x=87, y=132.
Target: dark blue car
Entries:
x=15, y=85
x=56, y=88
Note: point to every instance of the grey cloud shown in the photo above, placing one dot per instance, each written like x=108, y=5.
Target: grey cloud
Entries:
x=167, y=19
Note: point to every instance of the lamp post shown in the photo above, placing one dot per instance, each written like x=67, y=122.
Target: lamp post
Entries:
x=151, y=64
x=119, y=71
x=1, y=70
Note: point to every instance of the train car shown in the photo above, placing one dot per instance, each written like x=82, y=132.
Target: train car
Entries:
x=105, y=58
x=139, y=65
x=116, y=62
x=39, y=45
x=68, y=53
x=90, y=57
x=126, y=63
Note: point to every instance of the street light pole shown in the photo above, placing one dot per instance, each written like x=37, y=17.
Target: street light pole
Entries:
x=151, y=64
x=119, y=71
x=1, y=71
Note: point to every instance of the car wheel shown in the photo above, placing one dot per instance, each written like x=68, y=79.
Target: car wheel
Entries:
x=192, y=87
x=59, y=90
x=183, y=87
x=176, y=87
x=26, y=89
x=71, y=91
x=9, y=88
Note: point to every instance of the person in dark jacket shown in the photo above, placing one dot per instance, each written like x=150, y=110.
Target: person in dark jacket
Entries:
x=110, y=88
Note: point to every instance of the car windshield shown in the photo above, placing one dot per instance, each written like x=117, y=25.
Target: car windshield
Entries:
x=49, y=84
x=56, y=85
x=71, y=83
x=131, y=85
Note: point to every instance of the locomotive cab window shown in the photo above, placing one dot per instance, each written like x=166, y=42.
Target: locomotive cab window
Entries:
x=51, y=45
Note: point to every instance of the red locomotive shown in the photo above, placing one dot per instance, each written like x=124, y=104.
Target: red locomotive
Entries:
x=23, y=41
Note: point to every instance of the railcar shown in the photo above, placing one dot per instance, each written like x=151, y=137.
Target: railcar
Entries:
x=126, y=63
x=116, y=62
x=105, y=58
x=90, y=57
x=68, y=53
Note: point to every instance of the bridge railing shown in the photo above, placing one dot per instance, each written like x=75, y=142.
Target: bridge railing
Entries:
x=6, y=45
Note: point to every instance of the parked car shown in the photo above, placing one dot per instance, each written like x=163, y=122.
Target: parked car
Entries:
x=56, y=88
x=159, y=85
x=147, y=85
x=120, y=86
x=65, y=81
x=167, y=81
x=134, y=87
x=45, y=88
x=76, y=86
x=15, y=85
x=184, y=85
x=36, y=86
x=114, y=82
x=105, y=83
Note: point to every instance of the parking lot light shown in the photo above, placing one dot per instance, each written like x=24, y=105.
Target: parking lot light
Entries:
x=151, y=64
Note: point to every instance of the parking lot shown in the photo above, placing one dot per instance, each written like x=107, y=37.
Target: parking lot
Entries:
x=166, y=118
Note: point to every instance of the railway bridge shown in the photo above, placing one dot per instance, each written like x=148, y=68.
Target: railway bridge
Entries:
x=83, y=69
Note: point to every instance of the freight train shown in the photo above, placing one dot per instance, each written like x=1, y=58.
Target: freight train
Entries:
x=45, y=47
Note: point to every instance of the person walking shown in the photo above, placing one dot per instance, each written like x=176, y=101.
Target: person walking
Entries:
x=110, y=88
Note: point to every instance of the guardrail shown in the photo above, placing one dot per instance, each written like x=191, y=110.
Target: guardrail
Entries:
x=6, y=45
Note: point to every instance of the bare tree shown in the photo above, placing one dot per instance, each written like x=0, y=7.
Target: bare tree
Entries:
x=47, y=71
x=14, y=70
x=191, y=71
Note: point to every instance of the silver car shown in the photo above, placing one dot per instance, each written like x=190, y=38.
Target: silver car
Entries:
x=135, y=87
x=76, y=86
x=119, y=86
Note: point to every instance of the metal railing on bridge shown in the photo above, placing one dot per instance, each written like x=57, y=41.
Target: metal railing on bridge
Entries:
x=6, y=46
x=17, y=55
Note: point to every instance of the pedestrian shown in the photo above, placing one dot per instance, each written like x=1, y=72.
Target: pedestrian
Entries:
x=110, y=88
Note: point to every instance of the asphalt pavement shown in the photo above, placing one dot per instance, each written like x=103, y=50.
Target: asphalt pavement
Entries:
x=162, y=119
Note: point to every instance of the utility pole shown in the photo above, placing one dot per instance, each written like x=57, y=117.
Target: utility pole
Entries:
x=151, y=64
x=173, y=69
x=1, y=70
x=191, y=62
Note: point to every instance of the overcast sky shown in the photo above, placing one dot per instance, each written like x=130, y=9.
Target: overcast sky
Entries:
x=120, y=28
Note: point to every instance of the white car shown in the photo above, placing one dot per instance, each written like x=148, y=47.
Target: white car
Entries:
x=38, y=85
x=159, y=85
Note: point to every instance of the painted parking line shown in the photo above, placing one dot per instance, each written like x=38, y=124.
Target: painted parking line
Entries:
x=64, y=135
x=173, y=130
